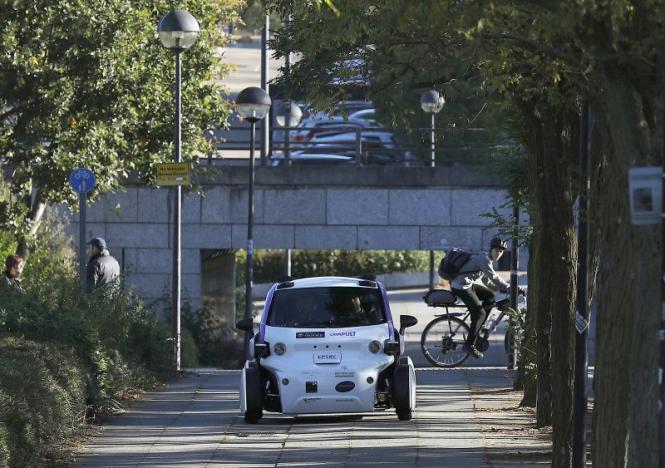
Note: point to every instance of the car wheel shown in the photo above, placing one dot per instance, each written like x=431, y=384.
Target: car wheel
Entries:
x=401, y=391
x=253, y=395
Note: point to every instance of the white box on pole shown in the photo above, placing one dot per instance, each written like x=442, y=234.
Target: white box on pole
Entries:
x=645, y=188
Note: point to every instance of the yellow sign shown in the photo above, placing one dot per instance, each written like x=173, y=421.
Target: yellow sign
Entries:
x=173, y=174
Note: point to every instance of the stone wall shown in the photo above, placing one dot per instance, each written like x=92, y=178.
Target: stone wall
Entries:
x=297, y=208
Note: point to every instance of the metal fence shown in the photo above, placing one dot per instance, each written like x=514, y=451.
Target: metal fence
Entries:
x=347, y=144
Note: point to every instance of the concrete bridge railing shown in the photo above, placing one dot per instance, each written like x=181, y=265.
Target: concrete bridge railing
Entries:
x=325, y=207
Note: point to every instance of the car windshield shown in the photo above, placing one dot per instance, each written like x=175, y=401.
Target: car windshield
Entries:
x=330, y=307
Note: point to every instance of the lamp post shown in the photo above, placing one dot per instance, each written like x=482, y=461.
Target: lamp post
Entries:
x=431, y=102
x=178, y=31
x=288, y=116
x=252, y=105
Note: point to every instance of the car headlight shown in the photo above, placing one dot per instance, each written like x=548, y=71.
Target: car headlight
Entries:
x=374, y=346
x=279, y=348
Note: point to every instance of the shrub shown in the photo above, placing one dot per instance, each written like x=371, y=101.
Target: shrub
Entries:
x=82, y=351
x=269, y=264
x=216, y=341
x=42, y=391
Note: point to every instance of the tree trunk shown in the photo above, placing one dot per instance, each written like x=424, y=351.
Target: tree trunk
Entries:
x=626, y=380
x=560, y=256
x=539, y=297
x=527, y=366
x=34, y=219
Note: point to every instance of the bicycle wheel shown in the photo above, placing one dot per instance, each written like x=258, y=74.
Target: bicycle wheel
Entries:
x=442, y=341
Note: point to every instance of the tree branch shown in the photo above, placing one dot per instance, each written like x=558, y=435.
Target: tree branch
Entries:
x=529, y=44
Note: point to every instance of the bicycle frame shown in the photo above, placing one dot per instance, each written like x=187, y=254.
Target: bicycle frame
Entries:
x=500, y=306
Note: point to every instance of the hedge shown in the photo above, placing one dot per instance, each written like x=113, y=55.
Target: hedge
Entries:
x=42, y=400
x=63, y=354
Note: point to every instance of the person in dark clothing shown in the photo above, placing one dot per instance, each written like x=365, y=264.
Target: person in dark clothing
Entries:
x=102, y=271
x=10, y=277
x=476, y=285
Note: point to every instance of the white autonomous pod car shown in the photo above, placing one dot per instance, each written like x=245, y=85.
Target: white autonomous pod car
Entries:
x=327, y=345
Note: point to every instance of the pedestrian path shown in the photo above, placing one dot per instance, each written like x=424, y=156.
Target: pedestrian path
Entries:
x=194, y=422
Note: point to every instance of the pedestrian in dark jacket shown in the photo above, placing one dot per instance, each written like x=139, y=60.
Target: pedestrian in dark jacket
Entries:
x=10, y=277
x=102, y=271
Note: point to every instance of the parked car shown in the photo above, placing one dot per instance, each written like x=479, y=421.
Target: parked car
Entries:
x=348, y=107
x=385, y=137
x=365, y=114
x=327, y=345
x=378, y=146
x=319, y=124
x=312, y=158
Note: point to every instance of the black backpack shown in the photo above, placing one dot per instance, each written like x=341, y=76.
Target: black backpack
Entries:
x=452, y=263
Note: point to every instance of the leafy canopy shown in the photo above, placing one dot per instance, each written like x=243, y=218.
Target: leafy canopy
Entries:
x=86, y=83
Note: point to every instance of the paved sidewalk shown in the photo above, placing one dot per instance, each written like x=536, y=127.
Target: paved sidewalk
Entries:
x=510, y=437
x=461, y=420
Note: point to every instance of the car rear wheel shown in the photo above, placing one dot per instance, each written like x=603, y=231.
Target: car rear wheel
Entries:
x=253, y=395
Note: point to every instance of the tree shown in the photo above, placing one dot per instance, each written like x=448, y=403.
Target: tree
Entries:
x=541, y=58
x=87, y=84
x=417, y=45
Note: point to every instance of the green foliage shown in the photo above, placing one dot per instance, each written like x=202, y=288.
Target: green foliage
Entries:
x=89, y=84
x=80, y=350
x=253, y=17
x=407, y=47
x=213, y=340
x=269, y=264
x=42, y=391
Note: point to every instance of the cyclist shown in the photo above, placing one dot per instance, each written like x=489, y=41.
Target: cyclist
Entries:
x=475, y=285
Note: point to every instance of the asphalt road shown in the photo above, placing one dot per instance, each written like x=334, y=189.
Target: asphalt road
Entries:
x=195, y=422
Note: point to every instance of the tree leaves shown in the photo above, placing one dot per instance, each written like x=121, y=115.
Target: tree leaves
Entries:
x=87, y=83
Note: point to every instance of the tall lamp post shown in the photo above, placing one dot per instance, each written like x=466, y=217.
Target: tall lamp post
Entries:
x=431, y=103
x=252, y=105
x=288, y=116
x=178, y=31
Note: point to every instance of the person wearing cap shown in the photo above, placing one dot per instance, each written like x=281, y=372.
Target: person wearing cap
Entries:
x=102, y=271
x=476, y=285
x=10, y=277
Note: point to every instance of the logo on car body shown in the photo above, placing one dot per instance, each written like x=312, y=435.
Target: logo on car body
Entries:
x=343, y=333
x=345, y=386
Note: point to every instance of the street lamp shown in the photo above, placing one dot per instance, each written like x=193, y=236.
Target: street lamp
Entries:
x=252, y=105
x=288, y=116
x=178, y=31
x=432, y=102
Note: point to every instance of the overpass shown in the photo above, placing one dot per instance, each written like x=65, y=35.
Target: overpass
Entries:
x=297, y=207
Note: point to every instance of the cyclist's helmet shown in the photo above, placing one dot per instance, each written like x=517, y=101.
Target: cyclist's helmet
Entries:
x=498, y=243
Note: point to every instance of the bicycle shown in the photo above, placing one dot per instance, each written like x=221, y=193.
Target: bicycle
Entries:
x=443, y=338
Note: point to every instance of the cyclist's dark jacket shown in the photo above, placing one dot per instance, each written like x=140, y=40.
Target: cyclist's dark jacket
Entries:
x=479, y=270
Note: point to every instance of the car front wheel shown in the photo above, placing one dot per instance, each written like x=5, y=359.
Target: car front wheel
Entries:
x=253, y=395
x=401, y=390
